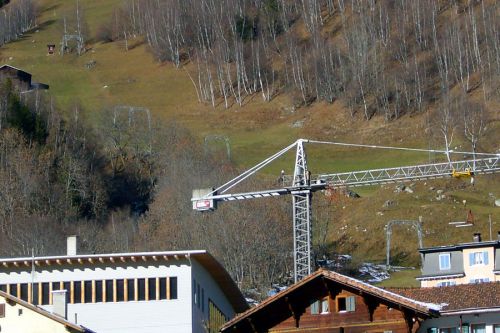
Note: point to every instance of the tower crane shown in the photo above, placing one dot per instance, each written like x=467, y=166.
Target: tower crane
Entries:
x=303, y=184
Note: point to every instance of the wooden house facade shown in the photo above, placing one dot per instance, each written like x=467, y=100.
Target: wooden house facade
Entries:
x=328, y=302
x=20, y=79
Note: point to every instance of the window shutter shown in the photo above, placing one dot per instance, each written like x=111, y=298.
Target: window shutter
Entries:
x=351, y=303
x=485, y=257
x=315, y=307
x=471, y=258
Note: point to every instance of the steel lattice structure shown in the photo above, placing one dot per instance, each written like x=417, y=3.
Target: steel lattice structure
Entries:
x=303, y=184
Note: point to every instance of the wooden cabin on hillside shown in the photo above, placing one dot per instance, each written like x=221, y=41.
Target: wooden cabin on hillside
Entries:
x=20, y=79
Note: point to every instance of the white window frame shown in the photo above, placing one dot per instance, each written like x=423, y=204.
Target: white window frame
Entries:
x=478, y=254
x=315, y=307
x=444, y=255
x=446, y=283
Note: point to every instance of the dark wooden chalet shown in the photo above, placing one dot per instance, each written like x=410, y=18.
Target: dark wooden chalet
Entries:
x=331, y=302
x=21, y=80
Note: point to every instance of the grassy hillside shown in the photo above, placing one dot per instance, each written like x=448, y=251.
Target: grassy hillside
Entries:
x=258, y=129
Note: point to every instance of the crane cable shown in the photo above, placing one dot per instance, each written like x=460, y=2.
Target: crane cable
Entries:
x=402, y=148
x=233, y=182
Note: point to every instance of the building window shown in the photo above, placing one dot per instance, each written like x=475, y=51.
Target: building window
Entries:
x=131, y=290
x=67, y=287
x=77, y=292
x=346, y=304
x=320, y=306
x=216, y=317
x=141, y=293
x=479, y=328
x=496, y=328
x=315, y=307
x=2, y=310
x=24, y=292
x=3, y=288
x=34, y=290
x=87, y=286
x=173, y=288
x=152, y=289
x=98, y=291
x=45, y=293
x=444, y=261
x=163, y=288
x=13, y=289
x=195, y=295
x=109, y=290
x=202, y=300
x=479, y=280
x=478, y=258
x=325, y=305
x=446, y=283
x=448, y=330
x=198, y=293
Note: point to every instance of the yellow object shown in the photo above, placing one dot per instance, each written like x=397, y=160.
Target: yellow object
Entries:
x=459, y=174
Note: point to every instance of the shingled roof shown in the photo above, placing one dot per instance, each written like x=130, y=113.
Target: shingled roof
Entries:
x=278, y=305
x=458, y=298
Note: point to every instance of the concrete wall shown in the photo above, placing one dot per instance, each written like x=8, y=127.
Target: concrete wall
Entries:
x=27, y=321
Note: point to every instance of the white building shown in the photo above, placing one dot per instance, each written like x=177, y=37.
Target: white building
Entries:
x=180, y=291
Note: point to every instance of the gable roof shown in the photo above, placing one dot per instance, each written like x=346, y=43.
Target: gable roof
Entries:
x=308, y=288
x=459, y=298
x=5, y=66
x=460, y=247
x=216, y=270
x=61, y=320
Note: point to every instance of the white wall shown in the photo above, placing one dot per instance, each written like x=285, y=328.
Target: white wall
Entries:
x=213, y=292
x=28, y=321
x=124, y=317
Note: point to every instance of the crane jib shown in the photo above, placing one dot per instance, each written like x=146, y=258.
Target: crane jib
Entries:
x=303, y=184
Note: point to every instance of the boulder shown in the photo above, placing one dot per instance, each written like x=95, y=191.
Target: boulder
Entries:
x=389, y=203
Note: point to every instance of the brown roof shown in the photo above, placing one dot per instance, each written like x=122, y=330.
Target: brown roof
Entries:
x=67, y=324
x=308, y=286
x=458, y=298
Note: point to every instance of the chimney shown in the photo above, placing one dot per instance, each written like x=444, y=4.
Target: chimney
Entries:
x=60, y=307
x=477, y=237
x=72, y=243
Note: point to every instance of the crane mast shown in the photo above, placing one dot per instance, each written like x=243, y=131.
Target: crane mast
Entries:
x=301, y=200
x=303, y=185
